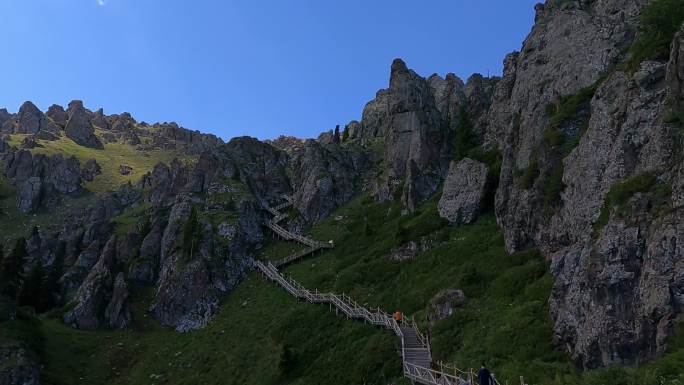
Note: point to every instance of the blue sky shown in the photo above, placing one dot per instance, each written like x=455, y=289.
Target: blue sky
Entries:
x=252, y=67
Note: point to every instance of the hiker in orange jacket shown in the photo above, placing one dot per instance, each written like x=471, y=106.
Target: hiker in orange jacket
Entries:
x=397, y=316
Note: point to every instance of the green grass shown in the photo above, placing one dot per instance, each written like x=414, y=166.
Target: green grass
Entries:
x=14, y=223
x=126, y=221
x=659, y=21
x=260, y=336
x=264, y=336
x=109, y=159
x=620, y=192
x=560, y=144
x=570, y=106
x=526, y=176
x=507, y=295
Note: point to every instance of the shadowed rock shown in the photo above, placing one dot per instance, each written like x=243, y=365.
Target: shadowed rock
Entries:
x=463, y=191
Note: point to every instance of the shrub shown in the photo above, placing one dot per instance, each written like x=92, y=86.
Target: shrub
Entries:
x=659, y=22
x=465, y=139
x=192, y=234
x=570, y=105
x=620, y=193
x=553, y=187
x=528, y=175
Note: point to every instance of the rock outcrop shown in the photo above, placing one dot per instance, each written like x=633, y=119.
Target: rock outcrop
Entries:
x=326, y=176
x=616, y=264
x=418, y=119
x=117, y=313
x=444, y=304
x=78, y=128
x=18, y=366
x=101, y=300
x=41, y=178
x=463, y=191
x=90, y=170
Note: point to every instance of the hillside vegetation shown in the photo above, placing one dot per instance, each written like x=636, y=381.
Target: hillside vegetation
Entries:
x=262, y=335
x=110, y=158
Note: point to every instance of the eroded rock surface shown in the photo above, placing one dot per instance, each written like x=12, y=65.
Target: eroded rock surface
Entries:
x=463, y=191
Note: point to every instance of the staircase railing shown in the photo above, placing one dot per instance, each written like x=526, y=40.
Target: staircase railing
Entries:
x=350, y=308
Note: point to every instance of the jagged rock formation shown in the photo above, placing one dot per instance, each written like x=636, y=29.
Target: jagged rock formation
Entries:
x=326, y=176
x=417, y=120
x=91, y=129
x=598, y=189
x=79, y=128
x=40, y=178
x=616, y=290
x=463, y=191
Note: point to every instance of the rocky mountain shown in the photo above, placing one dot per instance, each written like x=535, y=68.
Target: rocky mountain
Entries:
x=576, y=148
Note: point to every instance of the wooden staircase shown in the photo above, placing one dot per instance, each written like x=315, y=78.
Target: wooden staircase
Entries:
x=415, y=347
x=312, y=245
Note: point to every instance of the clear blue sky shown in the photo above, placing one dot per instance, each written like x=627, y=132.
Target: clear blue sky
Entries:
x=243, y=67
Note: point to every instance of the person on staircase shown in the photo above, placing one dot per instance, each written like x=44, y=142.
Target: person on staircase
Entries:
x=484, y=377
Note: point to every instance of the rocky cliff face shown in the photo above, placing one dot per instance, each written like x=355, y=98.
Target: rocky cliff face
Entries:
x=617, y=265
x=416, y=121
x=92, y=129
x=591, y=175
x=40, y=179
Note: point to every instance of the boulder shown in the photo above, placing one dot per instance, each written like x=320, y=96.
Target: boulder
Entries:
x=352, y=130
x=63, y=175
x=463, y=191
x=444, y=304
x=125, y=169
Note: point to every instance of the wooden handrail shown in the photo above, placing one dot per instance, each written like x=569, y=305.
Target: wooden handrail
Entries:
x=351, y=308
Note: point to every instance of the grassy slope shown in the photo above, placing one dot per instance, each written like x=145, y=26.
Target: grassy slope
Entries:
x=14, y=223
x=260, y=336
x=109, y=159
x=263, y=336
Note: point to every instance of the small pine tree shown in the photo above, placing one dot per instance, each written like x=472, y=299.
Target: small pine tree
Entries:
x=32, y=287
x=466, y=139
x=11, y=269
